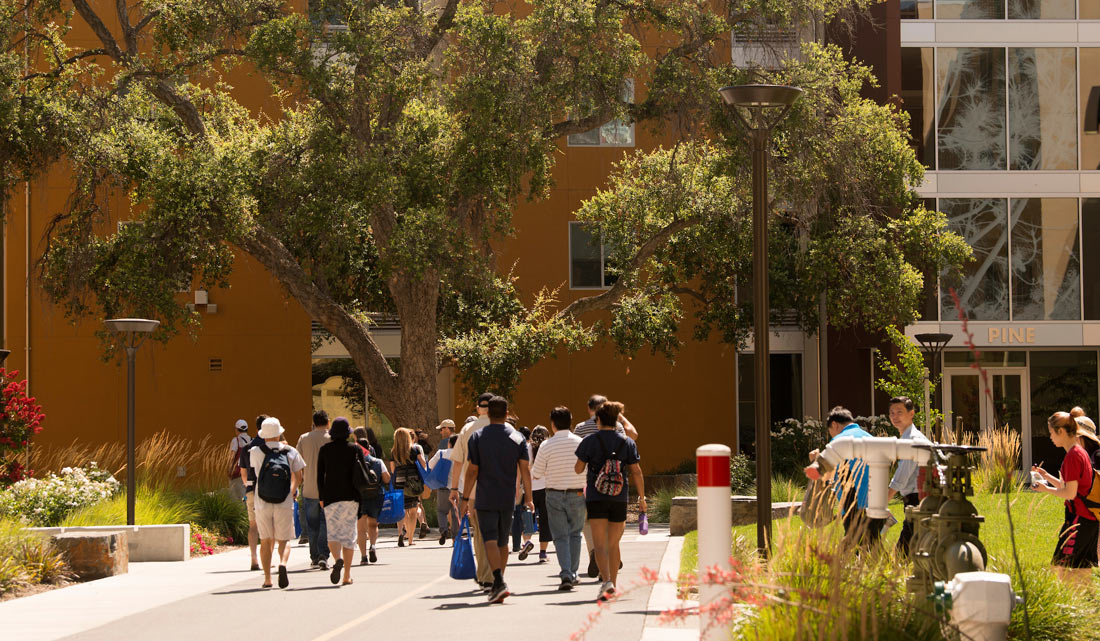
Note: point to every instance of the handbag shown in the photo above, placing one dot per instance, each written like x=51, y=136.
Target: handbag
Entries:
x=462, y=554
x=364, y=479
x=818, y=507
x=528, y=522
x=393, y=505
x=439, y=476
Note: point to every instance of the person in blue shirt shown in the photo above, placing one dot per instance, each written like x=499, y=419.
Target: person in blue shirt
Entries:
x=851, y=481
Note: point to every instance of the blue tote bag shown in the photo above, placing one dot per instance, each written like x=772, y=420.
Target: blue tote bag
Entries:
x=439, y=476
x=393, y=505
x=462, y=554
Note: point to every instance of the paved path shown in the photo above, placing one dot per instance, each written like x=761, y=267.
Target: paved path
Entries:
x=407, y=593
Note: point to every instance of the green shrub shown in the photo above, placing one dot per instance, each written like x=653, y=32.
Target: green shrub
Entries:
x=27, y=557
x=792, y=441
x=154, y=506
x=45, y=502
x=220, y=512
x=659, y=504
x=742, y=474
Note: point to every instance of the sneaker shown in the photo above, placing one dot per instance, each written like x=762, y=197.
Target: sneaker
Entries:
x=443, y=537
x=542, y=556
x=484, y=587
x=527, y=547
x=363, y=561
x=304, y=540
x=498, y=593
x=255, y=566
x=593, y=569
x=576, y=581
x=373, y=556
x=424, y=530
x=400, y=540
x=566, y=586
x=607, y=592
x=322, y=565
x=284, y=580
x=314, y=565
x=334, y=577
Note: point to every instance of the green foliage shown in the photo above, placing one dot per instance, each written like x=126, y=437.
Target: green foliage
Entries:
x=221, y=513
x=905, y=377
x=27, y=557
x=45, y=502
x=154, y=506
x=659, y=503
x=792, y=441
x=742, y=474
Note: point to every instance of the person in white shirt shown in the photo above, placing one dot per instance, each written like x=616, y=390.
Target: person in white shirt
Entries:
x=445, y=511
x=459, y=465
x=565, y=507
x=904, y=482
x=275, y=518
x=241, y=440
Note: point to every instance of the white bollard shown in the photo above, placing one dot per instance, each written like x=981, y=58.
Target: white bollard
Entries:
x=715, y=523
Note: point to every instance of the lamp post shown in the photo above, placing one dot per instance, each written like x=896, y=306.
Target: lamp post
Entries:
x=932, y=345
x=134, y=331
x=766, y=106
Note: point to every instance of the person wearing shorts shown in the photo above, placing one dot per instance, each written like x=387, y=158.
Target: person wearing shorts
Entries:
x=607, y=512
x=275, y=521
x=248, y=475
x=370, y=507
x=497, y=456
x=1077, y=537
x=338, y=463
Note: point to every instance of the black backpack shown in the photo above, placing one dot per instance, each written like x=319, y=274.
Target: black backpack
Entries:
x=273, y=481
x=365, y=479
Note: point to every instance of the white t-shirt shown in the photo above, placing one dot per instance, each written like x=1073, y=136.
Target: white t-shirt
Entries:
x=256, y=459
x=438, y=456
x=240, y=440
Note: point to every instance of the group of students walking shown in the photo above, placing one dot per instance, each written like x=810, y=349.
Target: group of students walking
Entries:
x=571, y=484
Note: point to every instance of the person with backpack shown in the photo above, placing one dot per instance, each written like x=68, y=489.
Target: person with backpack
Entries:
x=278, y=468
x=405, y=454
x=248, y=475
x=339, y=464
x=371, y=498
x=609, y=457
x=239, y=442
x=1077, y=539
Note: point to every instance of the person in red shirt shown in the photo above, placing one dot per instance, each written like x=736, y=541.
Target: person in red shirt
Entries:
x=1077, y=540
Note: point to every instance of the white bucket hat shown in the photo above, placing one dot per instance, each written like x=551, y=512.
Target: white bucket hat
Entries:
x=271, y=428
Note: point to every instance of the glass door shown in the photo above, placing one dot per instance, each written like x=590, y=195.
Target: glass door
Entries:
x=972, y=405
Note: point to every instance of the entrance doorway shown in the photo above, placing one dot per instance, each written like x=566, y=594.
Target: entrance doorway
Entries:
x=972, y=404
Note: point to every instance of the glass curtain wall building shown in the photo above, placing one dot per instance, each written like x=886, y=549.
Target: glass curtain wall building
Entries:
x=1003, y=97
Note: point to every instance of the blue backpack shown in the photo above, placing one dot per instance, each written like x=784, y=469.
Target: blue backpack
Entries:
x=273, y=481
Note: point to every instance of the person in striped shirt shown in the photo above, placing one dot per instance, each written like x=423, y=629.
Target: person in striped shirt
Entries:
x=565, y=508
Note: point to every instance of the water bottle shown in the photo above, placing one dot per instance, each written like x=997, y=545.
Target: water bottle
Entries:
x=643, y=524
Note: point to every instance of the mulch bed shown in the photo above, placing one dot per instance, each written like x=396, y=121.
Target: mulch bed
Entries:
x=31, y=589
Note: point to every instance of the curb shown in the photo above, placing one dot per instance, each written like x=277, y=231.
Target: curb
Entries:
x=664, y=597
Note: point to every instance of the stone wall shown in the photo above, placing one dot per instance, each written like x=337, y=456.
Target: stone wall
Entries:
x=683, y=517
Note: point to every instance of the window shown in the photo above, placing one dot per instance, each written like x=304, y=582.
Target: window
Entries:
x=1027, y=260
x=1059, y=380
x=614, y=133
x=785, y=374
x=1089, y=104
x=588, y=260
x=1002, y=108
x=994, y=9
x=918, y=93
x=1090, y=256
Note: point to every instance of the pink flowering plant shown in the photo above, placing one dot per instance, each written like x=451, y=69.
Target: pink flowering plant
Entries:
x=21, y=420
x=205, y=542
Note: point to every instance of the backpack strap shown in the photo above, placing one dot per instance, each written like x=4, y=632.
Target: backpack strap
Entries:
x=265, y=449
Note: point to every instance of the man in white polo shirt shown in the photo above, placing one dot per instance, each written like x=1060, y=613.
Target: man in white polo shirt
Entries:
x=565, y=507
x=459, y=465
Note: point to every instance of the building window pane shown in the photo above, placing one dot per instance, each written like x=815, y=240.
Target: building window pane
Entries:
x=785, y=375
x=916, y=9
x=989, y=358
x=1046, y=278
x=1090, y=256
x=1041, y=107
x=1041, y=9
x=1090, y=103
x=614, y=133
x=1059, y=380
x=919, y=99
x=585, y=261
x=971, y=96
x=1090, y=10
x=930, y=303
x=970, y=9
x=983, y=290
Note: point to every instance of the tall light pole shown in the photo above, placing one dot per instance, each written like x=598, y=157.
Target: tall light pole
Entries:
x=134, y=332
x=765, y=106
x=932, y=345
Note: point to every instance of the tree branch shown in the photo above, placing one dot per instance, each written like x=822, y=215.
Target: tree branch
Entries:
x=64, y=63
x=607, y=299
x=272, y=254
x=183, y=107
x=128, y=33
x=442, y=26
x=101, y=31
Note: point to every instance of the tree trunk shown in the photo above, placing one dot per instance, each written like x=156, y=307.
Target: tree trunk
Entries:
x=417, y=302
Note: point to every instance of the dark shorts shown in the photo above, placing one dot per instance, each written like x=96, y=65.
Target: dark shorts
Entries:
x=371, y=507
x=1077, y=542
x=495, y=525
x=613, y=511
x=411, y=502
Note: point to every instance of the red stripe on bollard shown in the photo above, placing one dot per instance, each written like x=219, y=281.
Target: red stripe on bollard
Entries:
x=714, y=471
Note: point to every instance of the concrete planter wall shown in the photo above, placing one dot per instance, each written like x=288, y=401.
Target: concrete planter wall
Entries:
x=144, y=542
x=683, y=517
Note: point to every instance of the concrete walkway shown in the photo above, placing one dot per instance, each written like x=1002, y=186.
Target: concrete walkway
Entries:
x=407, y=592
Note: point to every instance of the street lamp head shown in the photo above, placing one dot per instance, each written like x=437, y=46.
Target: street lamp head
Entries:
x=933, y=341
x=760, y=96
x=131, y=325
